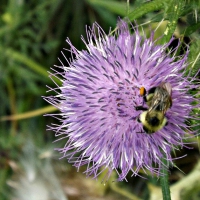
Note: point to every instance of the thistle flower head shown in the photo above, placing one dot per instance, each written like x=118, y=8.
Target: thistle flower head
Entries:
x=99, y=97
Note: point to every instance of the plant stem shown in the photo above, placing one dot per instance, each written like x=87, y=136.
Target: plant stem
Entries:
x=127, y=9
x=164, y=181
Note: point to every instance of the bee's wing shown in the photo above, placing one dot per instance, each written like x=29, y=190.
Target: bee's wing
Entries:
x=154, y=103
x=167, y=86
x=160, y=99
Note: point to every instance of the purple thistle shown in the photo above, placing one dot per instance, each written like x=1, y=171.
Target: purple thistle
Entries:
x=99, y=96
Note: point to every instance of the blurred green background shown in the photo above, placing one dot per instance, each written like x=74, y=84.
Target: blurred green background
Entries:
x=32, y=35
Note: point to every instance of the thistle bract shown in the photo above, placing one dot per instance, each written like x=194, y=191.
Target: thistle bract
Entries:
x=99, y=95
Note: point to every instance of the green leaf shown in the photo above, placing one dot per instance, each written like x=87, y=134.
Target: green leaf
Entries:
x=105, y=15
x=146, y=8
x=135, y=13
x=114, y=6
x=191, y=29
x=173, y=12
x=193, y=57
x=27, y=61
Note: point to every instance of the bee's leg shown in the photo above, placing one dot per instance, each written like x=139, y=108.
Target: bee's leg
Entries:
x=140, y=108
x=145, y=98
x=143, y=93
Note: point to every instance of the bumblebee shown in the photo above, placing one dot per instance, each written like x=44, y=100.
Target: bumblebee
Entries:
x=159, y=101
